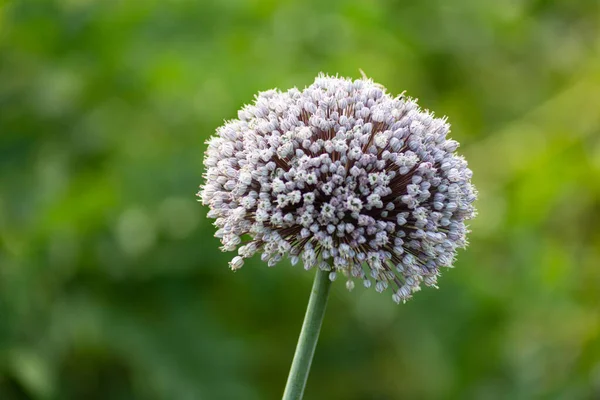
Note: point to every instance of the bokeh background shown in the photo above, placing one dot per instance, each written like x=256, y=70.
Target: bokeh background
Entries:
x=112, y=286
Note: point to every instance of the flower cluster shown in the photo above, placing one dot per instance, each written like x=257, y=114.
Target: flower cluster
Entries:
x=343, y=177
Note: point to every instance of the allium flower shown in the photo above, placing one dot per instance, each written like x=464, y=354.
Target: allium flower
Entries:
x=345, y=178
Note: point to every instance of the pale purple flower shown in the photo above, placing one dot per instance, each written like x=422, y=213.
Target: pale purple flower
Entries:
x=343, y=177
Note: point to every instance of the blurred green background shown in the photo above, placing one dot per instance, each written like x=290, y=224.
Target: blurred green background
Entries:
x=112, y=286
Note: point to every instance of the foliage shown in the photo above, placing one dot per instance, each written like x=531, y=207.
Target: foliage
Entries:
x=112, y=286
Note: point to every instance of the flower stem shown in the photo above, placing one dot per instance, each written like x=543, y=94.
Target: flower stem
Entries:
x=294, y=388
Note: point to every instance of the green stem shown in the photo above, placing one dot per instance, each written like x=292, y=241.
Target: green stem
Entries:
x=294, y=388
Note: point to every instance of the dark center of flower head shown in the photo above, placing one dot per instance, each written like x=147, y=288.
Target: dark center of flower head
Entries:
x=345, y=177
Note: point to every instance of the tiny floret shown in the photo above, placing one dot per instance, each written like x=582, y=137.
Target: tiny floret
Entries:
x=343, y=177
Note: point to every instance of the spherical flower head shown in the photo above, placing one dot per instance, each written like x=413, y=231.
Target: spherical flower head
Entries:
x=344, y=177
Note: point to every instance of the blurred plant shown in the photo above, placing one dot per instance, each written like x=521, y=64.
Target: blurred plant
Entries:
x=347, y=178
